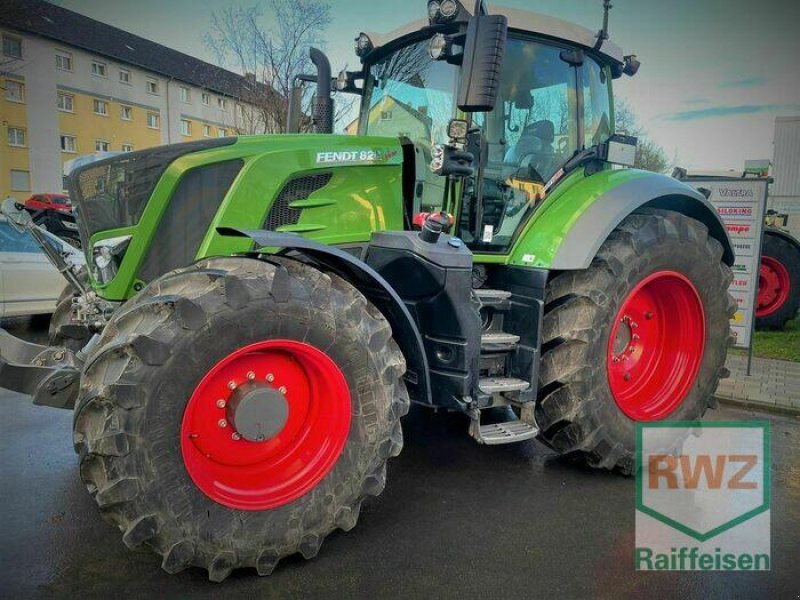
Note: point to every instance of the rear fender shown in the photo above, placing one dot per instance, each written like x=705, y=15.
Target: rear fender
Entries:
x=574, y=224
x=374, y=287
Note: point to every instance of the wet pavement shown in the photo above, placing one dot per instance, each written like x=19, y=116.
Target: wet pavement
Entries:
x=456, y=520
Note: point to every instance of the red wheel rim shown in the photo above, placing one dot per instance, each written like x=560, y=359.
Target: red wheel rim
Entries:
x=773, y=286
x=310, y=429
x=656, y=346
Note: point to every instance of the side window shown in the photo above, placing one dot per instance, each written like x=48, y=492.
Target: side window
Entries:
x=596, y=103
x=12, y=240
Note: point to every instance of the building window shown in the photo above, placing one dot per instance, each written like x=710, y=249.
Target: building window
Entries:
x=99, y=69
x=127, y=147
x=222, y=132
x=100, y=107
x=16, y=136
x=222, y=103
x=186, y=127
x=386, y=115
x=127, y=113
x=63, y=61
x=69, y=143
x=15, y=91
x=206, y=99
x=152, y=86
x=125, y=76
x=186, y=95
x=20, y=181
x=152, y=120
x=65, y=102
x=12, y=46
x=206, y=131
x=101, y=146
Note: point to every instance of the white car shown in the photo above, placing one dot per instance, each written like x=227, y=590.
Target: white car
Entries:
x=29, y=283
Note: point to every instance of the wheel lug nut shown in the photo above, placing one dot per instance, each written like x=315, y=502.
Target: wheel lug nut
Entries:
x=235, y=436
x=222, y=423
x=251, y=375
x=282, y=389
x=615, y=359
x=634, y=325
x=631, y=350
x=231, y=385
x=635, y=337
x=627, y=377
x=221, y=403
x=270, y=377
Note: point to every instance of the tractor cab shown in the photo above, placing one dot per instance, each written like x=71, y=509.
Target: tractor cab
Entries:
x=541, y=94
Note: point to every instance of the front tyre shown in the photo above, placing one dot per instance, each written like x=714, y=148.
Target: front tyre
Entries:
x=237, y=411
x=641, y=335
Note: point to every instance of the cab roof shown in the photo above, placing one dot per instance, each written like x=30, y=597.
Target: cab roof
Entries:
x=524, y=21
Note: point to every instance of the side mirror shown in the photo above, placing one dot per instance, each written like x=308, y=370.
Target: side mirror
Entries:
x=17, y=216
x=484, y=49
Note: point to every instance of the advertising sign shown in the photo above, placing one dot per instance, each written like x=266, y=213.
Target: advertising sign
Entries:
x=741, y=203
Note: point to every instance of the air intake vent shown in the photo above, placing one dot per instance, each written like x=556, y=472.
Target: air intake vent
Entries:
x=297, y=189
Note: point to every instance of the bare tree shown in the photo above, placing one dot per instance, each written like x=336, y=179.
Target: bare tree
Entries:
x=270, y=53
x=650, y=156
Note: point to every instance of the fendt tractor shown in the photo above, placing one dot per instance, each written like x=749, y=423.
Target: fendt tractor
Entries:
x=261, y=311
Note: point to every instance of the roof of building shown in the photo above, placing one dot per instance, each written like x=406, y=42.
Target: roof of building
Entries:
x=74, y=29
x=523, y=20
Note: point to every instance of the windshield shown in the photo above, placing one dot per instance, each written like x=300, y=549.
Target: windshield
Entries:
x=408, y=94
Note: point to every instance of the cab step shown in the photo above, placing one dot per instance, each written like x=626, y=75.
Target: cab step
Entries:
x=497, y=385
x=498, y=341
x=497, y=299
x=508, y=432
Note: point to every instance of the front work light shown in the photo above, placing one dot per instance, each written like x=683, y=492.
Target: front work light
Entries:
x=442, y=11
x=458, y=129
x=440, y=47
x=363, y=44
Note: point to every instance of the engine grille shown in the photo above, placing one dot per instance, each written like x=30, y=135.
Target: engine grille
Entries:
x=299, y=188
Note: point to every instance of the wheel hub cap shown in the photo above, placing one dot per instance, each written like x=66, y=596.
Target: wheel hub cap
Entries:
x=257, y=412
x=266, y=424
x=656, y=346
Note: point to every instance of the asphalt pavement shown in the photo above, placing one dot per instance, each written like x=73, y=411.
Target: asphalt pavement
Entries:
x=457, y=520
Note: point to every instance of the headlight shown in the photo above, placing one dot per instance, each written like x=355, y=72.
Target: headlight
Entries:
x=107, y=255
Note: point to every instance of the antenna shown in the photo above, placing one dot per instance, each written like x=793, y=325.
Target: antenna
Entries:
x=602, y=35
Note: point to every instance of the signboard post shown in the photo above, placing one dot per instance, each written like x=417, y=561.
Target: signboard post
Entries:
x=742, y=205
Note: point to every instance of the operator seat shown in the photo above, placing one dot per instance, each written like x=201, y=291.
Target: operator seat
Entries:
x=535, y=144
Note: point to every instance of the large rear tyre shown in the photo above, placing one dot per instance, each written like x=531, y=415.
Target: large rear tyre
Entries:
x=778, y=283
x=641, y=335
x=237, y=411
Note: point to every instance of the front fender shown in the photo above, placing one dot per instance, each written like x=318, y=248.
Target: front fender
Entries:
x=576, y=219
x=376, y=289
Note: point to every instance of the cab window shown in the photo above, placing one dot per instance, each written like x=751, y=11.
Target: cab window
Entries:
x=12, y=240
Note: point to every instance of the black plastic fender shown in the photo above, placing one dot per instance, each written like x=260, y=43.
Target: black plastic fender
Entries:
x=376, y=289
x=584, y=239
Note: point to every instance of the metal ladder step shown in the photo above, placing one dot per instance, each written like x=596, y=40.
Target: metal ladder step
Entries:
x=502, y=433
x=498, y=340
x=492, y=294
x=496, y=385
x=498, y=299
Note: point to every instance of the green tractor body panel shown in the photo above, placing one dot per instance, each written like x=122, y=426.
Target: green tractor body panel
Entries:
x=363, y=194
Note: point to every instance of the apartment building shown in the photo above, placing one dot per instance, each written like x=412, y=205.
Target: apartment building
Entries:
x=70, y=86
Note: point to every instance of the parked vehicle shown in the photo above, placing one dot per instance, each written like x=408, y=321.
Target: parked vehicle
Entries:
x=53, y=213
x=277, y=312
x=58, y=202
x=29, y=283
x=778, y=297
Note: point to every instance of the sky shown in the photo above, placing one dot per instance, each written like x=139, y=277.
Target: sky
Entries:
x=714, y=73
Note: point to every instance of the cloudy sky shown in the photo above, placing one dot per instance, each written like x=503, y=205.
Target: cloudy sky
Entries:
x=714, y=74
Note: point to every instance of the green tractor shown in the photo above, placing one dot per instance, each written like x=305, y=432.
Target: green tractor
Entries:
x=261, y=311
